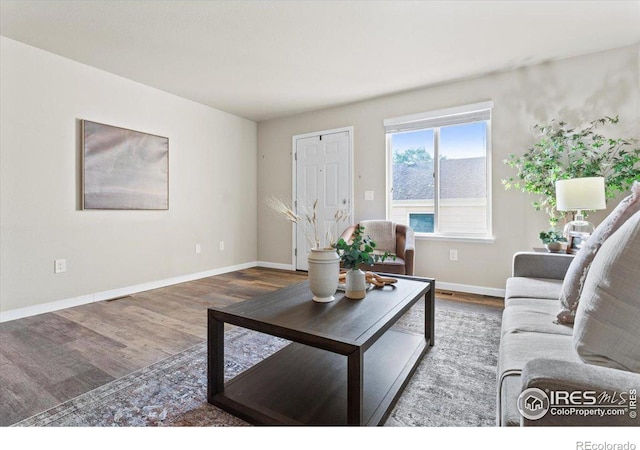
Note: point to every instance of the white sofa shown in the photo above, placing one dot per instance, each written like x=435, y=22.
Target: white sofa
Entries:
x=599, y=353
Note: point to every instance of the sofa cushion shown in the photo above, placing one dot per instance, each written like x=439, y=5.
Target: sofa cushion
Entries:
x=524, y=301
x=579, y=267
x=390, y=265
x=525, y=287
x=607, y=330
x=538, y=317
x=516, y=349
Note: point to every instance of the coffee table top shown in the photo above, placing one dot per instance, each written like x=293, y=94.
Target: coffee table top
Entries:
x=341, y=326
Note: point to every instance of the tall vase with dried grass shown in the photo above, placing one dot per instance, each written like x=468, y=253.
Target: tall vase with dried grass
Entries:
x=323, y=259
x=307, y=220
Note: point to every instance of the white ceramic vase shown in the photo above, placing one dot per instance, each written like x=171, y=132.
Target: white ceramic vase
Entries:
x=355, y=284
x=324, y=268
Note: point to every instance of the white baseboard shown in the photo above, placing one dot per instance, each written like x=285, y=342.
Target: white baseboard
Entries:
x=469, y=289
x=270, y=265
x=20, y=313
x=121, y=292
x=115, y=293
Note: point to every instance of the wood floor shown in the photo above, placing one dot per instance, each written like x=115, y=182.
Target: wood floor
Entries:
x=53, y=357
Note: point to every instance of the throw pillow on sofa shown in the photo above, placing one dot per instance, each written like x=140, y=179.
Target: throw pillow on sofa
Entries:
x=579, y=267
x=606, y=330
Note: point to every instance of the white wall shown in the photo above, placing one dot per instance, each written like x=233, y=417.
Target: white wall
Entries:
x=577, y=90
x=212, y=159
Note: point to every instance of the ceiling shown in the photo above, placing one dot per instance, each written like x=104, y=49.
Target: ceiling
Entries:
x=266, y=59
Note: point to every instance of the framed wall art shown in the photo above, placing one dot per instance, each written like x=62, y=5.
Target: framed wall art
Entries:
x=123, y=169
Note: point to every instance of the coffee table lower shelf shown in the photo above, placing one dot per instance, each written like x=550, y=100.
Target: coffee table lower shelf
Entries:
x=302, y=385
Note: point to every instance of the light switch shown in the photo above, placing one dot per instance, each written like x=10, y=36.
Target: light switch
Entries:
x=368, y=195
x=60, y=266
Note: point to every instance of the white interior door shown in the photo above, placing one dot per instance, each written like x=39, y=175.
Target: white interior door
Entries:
x=323, y=173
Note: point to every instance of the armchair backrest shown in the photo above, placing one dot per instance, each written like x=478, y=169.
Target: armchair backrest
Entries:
x=402, y=244
x=383, y=233
x=399, y=238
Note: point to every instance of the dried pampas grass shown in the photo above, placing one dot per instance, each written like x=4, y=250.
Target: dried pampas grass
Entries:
x=308, y=220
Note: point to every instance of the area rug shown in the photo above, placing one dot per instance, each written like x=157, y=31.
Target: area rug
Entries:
x=454, y=384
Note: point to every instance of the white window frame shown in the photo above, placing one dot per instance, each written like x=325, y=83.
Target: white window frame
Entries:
x=434, y=120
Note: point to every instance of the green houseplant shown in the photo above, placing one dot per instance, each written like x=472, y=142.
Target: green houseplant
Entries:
x=354, y=254
x=553, y=240
x=360, y=251
x=563, y=152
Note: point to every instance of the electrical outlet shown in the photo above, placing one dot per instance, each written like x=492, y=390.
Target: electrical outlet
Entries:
x=59, y=266
x=453, y=255
x=198, y=249
x=221, y=245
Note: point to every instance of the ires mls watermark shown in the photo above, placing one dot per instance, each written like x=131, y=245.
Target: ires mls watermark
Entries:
x=534, y=403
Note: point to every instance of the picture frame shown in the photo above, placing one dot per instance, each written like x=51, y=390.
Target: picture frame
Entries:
x=575, y=241
x=123, y=169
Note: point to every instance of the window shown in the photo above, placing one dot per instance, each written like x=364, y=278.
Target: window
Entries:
x=421, y=222
x=438, y=166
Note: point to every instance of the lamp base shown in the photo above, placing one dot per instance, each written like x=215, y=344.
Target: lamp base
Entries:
x=578, y=226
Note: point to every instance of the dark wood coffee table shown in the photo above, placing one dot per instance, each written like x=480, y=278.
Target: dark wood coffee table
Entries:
x=346, y=365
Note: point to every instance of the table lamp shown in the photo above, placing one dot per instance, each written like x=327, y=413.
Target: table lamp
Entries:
x=579, y=194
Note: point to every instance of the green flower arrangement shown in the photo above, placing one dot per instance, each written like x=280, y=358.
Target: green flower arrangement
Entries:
x=361, y=250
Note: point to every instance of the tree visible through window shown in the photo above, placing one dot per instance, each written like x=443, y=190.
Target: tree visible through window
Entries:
x=438, y=174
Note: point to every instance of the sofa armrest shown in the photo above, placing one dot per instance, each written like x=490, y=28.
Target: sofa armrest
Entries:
x=553, y=375
x=541, y=265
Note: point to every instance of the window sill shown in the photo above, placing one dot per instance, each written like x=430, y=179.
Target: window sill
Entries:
x=445, y=237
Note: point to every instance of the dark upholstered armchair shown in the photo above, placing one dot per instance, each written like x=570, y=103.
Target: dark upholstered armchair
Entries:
x=389, y=236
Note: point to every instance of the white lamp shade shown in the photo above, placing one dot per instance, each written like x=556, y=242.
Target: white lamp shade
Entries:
x=580, y=193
